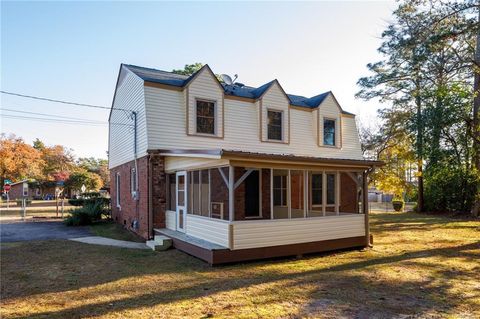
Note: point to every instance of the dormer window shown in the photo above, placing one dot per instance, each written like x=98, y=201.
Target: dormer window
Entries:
x=275, y=125
x=329, y=132
x=205, y=114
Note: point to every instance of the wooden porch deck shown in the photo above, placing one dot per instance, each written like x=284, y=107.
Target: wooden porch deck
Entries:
x=215, y=254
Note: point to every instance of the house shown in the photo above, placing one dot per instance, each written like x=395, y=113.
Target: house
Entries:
x=233, y=172
x=32, y=190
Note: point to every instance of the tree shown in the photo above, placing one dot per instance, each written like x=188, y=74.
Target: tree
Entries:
x=426, y=75
x=58, y=159
x=18, y=160
x=96, y=165
x=91, y=181
x=189, y=69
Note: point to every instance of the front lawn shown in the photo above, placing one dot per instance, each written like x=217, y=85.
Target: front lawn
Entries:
x=421, y=266
x=114, y=230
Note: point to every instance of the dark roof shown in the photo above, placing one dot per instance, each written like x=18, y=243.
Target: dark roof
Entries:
x=169, y=78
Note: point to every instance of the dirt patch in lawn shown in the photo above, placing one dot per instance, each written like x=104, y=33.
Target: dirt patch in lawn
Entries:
x=114, y=230
x=421, y=266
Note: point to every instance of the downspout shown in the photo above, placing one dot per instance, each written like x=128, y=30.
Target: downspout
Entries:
x=150, y=186
x=134, y=117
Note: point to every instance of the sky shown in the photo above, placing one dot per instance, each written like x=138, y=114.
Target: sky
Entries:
x=72, y=51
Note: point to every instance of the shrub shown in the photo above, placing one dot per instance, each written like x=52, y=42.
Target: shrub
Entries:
x=450, y=189
x=87, y=214
x=397, y=204
x=85, y=201
x=76, y=202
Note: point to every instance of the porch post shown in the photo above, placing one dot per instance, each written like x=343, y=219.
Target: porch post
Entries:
x=231, y=189
x=365, y=206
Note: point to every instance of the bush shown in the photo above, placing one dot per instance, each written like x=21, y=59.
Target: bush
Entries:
x=87, y=214
x=85, y=201
x=397, y=205
x=91, y=211
x=450, y=189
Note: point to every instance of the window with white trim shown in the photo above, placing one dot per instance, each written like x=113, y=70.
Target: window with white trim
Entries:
x=117, y=190
x=133, y=182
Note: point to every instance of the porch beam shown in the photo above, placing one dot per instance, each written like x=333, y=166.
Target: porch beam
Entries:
x=223, y=176
x=241, y=179
x=231, y=190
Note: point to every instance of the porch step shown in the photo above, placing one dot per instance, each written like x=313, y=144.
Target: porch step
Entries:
x=159, y=243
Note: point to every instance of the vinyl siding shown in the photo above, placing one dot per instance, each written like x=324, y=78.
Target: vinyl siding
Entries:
x=205, y=87
x=266, y=233
x=274, y=99
x=129, y=96
x=215, y=231
x=167, y=129
x=171, y=220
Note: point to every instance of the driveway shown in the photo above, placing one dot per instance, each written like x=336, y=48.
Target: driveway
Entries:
x=11, y=231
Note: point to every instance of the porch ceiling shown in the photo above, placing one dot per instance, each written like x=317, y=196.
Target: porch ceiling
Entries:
x=236, y=155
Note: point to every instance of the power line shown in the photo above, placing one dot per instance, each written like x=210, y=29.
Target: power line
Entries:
x=44, y=114
x=62, y=101
x=62, y=121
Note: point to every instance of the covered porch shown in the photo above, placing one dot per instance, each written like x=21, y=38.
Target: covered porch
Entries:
x=235, y=206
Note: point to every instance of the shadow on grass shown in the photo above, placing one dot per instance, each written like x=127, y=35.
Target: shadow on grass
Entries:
x=390, y=297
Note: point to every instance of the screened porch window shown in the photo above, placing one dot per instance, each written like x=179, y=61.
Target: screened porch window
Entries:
x=274, y=125
x=280, y=200
x=205, y=117
x=329, y=132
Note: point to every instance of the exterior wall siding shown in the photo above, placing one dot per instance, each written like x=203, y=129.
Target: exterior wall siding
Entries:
x=212, y=230
x=166, y=125
x=274, y=99
x=170, y=220
x=266, y=233
x=129, y=95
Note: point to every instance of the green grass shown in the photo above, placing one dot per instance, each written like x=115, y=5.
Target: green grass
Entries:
x=113, y=230
x=421, y=266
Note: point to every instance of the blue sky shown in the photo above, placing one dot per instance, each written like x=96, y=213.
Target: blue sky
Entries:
x=72, y=51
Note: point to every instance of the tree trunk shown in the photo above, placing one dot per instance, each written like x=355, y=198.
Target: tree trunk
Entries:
x=476, y=119
x=418, y=103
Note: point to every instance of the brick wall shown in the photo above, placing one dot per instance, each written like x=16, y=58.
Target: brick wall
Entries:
x=348, y=202
x=130, y=209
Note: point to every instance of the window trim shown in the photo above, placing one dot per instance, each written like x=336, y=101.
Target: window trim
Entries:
x=117, y=190
x=335, y=144
x=133, y=182
x=215, y=118
x=282, y=112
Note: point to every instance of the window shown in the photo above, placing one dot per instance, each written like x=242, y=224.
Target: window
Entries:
x=329, y=132
x=133, y=182
x=316, y=188
x=330, y=189
x=117, y=189
x=172, y=193
x=205, y=117
x=275, y=125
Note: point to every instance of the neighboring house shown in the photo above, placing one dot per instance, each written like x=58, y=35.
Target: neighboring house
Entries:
x=28, y=189
x=233, y=172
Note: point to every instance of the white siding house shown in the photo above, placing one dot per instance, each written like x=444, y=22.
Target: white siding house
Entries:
x=233, y=169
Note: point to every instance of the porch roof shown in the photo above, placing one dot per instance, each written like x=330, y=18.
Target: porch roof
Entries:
x=232, y=154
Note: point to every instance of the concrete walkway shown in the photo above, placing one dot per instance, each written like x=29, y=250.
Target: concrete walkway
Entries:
x=103, y=241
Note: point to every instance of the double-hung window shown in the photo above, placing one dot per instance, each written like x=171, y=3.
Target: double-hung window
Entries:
x=205, y=117
x=329, y=132
x=275, y=125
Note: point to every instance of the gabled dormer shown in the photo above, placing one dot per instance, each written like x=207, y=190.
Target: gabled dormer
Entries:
x=274, y=113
